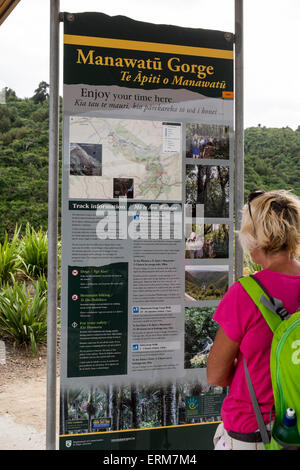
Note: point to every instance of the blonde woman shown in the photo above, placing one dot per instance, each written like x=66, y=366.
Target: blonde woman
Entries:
x=270, y=232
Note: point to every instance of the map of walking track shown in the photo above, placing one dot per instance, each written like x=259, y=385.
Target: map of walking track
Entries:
x=139, y=159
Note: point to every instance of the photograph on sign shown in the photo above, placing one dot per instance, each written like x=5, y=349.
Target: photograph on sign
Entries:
x=199, y=334
x=208, y=185
x=207, y=141
x=139, y=406
x=205, y=282
x=207, y=241
x=85, y=159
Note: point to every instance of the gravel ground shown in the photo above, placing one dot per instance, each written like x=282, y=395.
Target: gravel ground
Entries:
x=23, y=400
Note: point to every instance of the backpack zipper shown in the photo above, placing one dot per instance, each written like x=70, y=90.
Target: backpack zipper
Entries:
x=278, y=351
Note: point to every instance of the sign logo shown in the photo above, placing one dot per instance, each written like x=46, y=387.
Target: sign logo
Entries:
x=192, y=403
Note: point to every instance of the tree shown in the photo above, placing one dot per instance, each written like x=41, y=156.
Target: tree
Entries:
x=135, y=408
x=10, y=95
x=223, y=178
x=114, y=408
x=170, y=404
x=41, y=93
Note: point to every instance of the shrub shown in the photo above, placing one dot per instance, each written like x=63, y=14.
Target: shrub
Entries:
x=9, y=257
x=41, y=283
x=23, y=318
x=34, y=252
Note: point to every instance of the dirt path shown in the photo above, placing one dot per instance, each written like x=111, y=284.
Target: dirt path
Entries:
x=23, y=401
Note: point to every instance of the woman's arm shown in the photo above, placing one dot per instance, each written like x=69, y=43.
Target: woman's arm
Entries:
x=221, y=360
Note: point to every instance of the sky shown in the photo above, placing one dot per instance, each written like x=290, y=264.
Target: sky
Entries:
x=271, y=46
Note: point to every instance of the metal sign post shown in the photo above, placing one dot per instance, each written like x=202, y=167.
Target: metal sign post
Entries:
x=239, y=132
x=52, y=226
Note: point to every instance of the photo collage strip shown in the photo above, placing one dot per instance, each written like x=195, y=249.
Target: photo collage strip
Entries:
x=208, y=235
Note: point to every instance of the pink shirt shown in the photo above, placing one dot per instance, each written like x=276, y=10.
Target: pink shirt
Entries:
x=243, y=323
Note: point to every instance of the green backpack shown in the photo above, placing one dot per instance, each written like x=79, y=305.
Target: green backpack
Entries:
x=284, y=367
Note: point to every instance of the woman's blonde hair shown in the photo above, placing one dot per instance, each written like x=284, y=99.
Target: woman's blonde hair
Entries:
x=274, y=225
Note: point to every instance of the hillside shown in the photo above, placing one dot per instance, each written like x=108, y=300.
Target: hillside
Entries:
x=205, y=278
x=24, y=161
x=271, y=159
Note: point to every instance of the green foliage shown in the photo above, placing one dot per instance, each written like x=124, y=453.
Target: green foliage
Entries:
x=41, y=283
x=199, y=325
x=207, y=293
x=249, y=266
x=34, y=251
x=23, y=317
x=9, y=257
x=23, y=281
x=24, y=129
x=41, y=93
x=272, y=159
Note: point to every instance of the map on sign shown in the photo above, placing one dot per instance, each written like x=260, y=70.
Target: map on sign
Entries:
x=112, y=158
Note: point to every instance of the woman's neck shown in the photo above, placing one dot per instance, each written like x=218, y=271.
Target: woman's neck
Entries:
x=281, y=262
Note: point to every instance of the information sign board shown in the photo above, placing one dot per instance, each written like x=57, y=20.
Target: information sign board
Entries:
x=147, y=231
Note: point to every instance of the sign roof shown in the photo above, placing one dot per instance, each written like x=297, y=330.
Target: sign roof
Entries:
x=6, y=7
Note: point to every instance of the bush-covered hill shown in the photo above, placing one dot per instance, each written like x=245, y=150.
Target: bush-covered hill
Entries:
x=24, y=161
x=271, y=160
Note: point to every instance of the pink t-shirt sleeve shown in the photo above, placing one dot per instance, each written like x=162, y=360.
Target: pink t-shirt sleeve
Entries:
x=234, y=312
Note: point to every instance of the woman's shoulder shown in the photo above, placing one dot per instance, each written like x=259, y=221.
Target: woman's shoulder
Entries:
x=236, y=296
x=235, y=312
x=269, y=274
x=235, y=289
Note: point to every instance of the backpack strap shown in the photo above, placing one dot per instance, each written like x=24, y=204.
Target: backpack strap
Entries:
x=270, y=307
x=273, y=312
x=259, y=418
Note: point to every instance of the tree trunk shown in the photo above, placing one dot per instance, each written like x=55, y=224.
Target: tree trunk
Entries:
x=170, y=404
x=90, y=409
x=223, y=179
x=63, y=411
x=114, y=409
x=162, y=408
x=135, y=408
x=201, y=184
x=120, y=409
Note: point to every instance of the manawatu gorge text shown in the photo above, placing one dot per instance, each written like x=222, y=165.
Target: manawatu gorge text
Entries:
x=174, y=64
